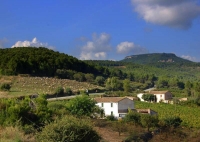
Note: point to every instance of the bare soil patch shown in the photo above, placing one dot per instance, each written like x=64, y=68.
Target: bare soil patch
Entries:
x=108, y=135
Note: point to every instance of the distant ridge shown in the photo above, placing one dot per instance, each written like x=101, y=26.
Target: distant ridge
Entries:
x=155, y=58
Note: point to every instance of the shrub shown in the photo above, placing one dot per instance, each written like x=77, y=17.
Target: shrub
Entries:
x=110, y=118
x=5, y=87
x=173, y=121
x=68, y=129
x=81, y=105
x=58, y=108
x=14, y=134
x=59, y=91
x=133, y=117
x=68, y=91
x=84, y=92
x=149, y=121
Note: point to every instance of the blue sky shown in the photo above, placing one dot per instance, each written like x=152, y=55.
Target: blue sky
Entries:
x=103, y=29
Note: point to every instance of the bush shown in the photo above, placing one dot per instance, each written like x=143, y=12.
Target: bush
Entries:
x=173, y=121
x=5, y=87
x=81, y=105
x=68, y=129
x=59, y=91
x=15, y=134
x=133, y=117
x=110, y=118
x=68, y=91
x=84, y=92
x=58, y=108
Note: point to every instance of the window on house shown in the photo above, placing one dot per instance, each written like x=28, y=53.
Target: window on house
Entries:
x=111, y=112
x=111, y=104
x=161, y=96
x=101, y=104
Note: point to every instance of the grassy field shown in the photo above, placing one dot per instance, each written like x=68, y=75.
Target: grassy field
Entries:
x=21, y=86
x=189, y=115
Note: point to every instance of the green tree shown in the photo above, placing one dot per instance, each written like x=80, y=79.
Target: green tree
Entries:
x=130, y=76
x=89, y=77
x=79, y=77
x=188, y=88
x=149, y=97
x=68, y=129
x=68, y=91
x=99, y=80
x=149, y=121
x=59, y=91
x=162, y=82
x=126, y=85
x=42, y=111
x=132, y=117
x=119, y=126
x=113, y=84
x=81, y=105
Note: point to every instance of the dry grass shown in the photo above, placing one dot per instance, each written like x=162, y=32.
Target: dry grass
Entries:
x=13, y=134
x=21, y=86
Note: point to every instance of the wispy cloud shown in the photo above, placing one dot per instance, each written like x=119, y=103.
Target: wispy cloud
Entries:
x=172, y=13
x=96, y=48
x=129, y=48
x=33, y=43
x=188, y=57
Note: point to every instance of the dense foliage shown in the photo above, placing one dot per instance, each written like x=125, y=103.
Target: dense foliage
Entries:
x=81, y=105
x=41, y=62
x=28, y=111
x=149, y=97
x=69, y=129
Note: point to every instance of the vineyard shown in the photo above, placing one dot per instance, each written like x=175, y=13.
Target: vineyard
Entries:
x=189, y=115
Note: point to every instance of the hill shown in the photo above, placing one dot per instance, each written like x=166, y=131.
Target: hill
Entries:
x=40, y=62
x=155, y=58
x=158, y=64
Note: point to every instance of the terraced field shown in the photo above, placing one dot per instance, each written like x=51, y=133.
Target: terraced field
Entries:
x=21, y=86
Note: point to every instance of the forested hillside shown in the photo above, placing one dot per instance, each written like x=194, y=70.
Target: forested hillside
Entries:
x=41, y=62
x=166, y=64
x=155, y=58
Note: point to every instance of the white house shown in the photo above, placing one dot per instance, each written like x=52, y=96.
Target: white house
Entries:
x=116, y=106
x=160, y=96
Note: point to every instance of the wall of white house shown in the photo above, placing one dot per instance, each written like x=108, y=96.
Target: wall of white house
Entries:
x=108, y=109
x=160, y=97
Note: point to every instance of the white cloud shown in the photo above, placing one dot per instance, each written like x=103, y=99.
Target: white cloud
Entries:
x=97, y=48
x=189, y=57
x=130, y=48
x=33, y=43
x=173, y=13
